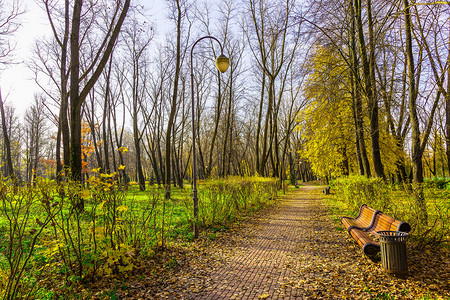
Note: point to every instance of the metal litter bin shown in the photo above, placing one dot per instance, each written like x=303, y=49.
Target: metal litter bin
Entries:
x=393, y=252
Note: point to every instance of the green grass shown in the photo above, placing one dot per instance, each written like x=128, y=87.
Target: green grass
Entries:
x=115, y=228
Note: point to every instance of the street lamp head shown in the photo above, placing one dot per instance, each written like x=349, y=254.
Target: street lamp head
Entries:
x=222, y=63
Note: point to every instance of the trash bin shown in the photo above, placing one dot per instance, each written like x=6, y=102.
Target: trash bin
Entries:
x=393, y=252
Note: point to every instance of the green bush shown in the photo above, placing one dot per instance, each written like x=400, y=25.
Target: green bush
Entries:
x=352, y=191
x=68, y=233
x=224, y=200
x=357, y=190
x=439, y=183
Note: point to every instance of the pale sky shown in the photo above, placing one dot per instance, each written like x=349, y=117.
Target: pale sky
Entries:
x=16, y=82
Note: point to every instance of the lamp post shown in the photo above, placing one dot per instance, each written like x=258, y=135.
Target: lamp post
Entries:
x=222, y=63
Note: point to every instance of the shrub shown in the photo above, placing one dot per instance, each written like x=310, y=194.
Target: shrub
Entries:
x=224, y=200
x=353, y=191
x=357, y=190
x=51, y=233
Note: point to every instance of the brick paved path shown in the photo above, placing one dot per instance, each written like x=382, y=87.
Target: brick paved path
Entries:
x=265, y=260
x=293, y=250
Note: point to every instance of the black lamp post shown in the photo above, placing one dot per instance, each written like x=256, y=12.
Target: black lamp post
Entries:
x=222, y=63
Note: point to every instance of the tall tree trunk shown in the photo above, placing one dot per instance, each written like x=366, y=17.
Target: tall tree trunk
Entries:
x=137, y=136
x=76, y=97
x=447, y=124
x=358, y=112
x=417, y=170
x=373, y=100
x=357, y=142
x=265, y=153
x=63, y=134
x=228, y=122
x=106, y=118
x=91, y=120
x=258, y=129
x=173, y=107
x=75, y=101
x=447, y=115
x=216, y=126
x=369, y=88
x=9, y=171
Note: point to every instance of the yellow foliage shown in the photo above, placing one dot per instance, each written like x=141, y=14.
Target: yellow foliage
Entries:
x=326, y=122
x=122, y=208
x=123, y=149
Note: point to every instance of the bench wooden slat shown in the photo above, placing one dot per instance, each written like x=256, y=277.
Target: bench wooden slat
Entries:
x=363, y=225
x=362, y=221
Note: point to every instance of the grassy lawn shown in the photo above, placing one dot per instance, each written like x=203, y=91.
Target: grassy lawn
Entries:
x=54, y=237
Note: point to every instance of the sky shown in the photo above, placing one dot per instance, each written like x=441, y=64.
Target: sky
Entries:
x=16, y=82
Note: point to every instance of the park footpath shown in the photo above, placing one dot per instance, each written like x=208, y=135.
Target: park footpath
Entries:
x=276, y=249
x=296, y=249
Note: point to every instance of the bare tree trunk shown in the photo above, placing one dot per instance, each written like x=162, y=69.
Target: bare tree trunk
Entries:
x=76, y=97
x=75, y=101
x=216, y=125
x=265, y=153
x=9, y=171
x=373, y=100
x=228, y=122
x=258, y=129
x=415, y=129
x=364, y=165
x=447, y=122
x=136, y=134
x=368, y=64
x=106, y=114
x=90, y=115
x=173, y=107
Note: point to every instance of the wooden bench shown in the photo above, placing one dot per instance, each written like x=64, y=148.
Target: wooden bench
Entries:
x=362, y=221
x=364, y=228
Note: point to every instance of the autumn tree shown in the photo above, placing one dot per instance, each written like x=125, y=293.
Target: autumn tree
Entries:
x=418, y=138
x=178, y=12
x=327, y=121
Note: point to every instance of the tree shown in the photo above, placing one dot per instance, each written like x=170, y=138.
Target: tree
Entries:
x=368, y=64
x=9, y=171
x=418, y=140
x=62, y=39
x=35, y=126
x=327, y=121
x=173, y=106
x=137, y=41
x=271, y=23
x=432, y=37
x=78, y=93
x=10, y=13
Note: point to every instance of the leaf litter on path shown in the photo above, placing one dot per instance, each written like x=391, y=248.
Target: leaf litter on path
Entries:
x=292, y=250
